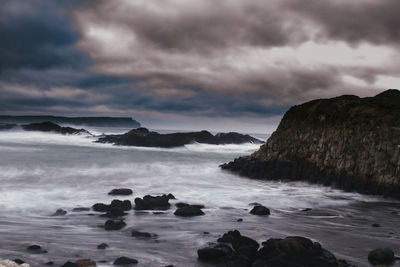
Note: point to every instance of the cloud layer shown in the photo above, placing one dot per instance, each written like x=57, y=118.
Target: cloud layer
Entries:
x=178, y=59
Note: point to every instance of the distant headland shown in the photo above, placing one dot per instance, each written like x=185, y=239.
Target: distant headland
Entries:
x=88, y=121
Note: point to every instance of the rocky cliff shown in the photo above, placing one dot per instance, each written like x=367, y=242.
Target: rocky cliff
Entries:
x=347, y=142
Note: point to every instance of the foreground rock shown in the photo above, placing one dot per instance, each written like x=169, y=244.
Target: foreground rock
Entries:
x=381, y=256
x=85, y=263
x=260, y=210
x=233, y=249
x=143, y=137
x=114, y=225
x=350, y=142
x=125, y=261
x=189, y=211
x=52, y=127
x=149, y=202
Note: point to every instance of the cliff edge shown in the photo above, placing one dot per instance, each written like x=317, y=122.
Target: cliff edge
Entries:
x=347, y=142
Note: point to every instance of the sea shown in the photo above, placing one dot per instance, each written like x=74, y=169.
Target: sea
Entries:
x=42, y=172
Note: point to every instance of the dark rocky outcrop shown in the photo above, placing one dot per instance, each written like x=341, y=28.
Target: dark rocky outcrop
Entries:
x=60, y=212
x=52, y=127
x=381, y=256
x=125, y=261
x=36, y=249
x=121, y=192
x=70, y=264
x=348, y=142
x=149, y=202
x=143, y=137
x=114, y=225
x=189, y=211
x=260, y=210
x=233, y=249
x=116, y=204
x=102, y=246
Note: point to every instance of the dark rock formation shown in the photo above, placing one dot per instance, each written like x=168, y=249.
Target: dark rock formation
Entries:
x=381, y=256
x=52, y=127
x=60, y=212
x=121, y=191
x=125, y=261
x=102, y=246
x=114, y=225
x=36, y=249
x=348, y=142
x=189, y=211
x=233, y=249
x=85, y=262
x=89, y=121
x=260, y=210
x=116, y=204
x=143, y=137
x=152, y=202
x=139, y=234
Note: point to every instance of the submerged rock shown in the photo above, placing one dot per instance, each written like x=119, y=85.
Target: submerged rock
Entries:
x=102, y=246
x=348, y=142
x=121, y=192
x=143, y=137
x=189, y=211
x=114, y=225
x=80, y=209
x=260, y=210
x=36, y=249
x=60, y=212
x=139, y=234
x=125, y=261
x=149, y=202
x=381, y=256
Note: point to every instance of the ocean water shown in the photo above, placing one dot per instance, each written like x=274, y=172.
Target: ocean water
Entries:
x=43, y=172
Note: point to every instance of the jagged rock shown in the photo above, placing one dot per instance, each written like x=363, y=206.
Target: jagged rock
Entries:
x=143, y=137
x=347, y=141
x=19, y=261
x=260, y=210
x=48, y=126
x=381, y=256
x=125, y=261
x=102, y=246
x=114, y=225
x=189, y=211
x=121, y=192
x=152, y=203
x=115, y=204
x=85, y=262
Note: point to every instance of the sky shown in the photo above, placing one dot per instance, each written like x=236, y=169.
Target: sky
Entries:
x=222, y=65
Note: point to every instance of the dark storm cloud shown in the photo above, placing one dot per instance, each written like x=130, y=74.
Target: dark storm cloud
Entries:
x=193, y=58
x=374, y=21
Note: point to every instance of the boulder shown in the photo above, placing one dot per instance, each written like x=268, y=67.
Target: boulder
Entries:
x=125, y=261
x=70, y=264
x=189, y=211
x=149, y=202
x=121, y=192
x=114, y=225
x=215, y=253
x=36, y=249
x=60, y=212
x=381, y=256
x=260, y=210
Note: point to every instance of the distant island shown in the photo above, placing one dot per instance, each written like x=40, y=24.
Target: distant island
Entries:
x=347, y=142
x=87, y=121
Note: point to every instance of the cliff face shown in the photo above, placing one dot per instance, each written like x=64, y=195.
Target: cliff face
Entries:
x=349, y=142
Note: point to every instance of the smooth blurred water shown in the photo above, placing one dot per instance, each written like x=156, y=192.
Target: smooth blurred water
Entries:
x=42, y=172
